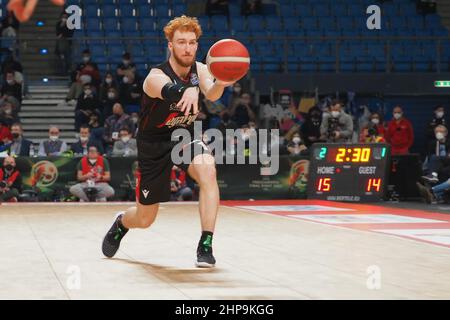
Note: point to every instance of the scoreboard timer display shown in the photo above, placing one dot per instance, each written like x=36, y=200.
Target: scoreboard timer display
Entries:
x=348, y=172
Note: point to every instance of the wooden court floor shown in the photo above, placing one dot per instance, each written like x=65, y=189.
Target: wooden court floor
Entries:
x=52, y=251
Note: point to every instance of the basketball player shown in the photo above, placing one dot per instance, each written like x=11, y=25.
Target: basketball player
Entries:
x=170, y=101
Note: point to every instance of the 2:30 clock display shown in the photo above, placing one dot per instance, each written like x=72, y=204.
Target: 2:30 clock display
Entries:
x=352, y=155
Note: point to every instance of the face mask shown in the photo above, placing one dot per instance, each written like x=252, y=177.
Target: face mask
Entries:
x=54, y=138
x=15, y=135
x=8, y=111
x=135, y=120
x=375, y=121
x=440, y=136
x=125, y=139
x=397, y=115
x=296, y=140
x=88, y=92
x=125, y=79
x=85, y=78
x=84, y=139
x=237, y=90
x=86, y=59
x=10, y=82
x=335, y=114
x=111, y=95
x=126, y=62
x=439, y=114
x=108, y=80
x=9, y=167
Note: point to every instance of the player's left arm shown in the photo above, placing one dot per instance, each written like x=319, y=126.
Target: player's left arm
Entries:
x=212, y=90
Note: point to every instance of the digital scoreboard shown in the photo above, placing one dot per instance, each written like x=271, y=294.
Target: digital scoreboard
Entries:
x=348, y=172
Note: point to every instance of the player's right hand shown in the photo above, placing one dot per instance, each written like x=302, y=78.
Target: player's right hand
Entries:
x=189, y=101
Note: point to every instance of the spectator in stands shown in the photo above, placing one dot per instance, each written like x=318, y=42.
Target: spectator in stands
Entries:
x=5, y=133
x=85, y=141
x=10, y=21
x=96, y=127
x=438, y=152
x=63, y=43
x=126, y=69
x=119, y=119
x=130, y=93
x=112, y=97
x=93, y=174
x=53, y=146
x=107, y=84
x=11, y=64
x=126, y=146
x=310, y=129
x=219, y=7
x=178, y=186
x=226, y=123
x=251, y=7
x=374, y=131
x=86, y=58
x=438, y=119
x=8, y=114
x=20, y=146
x=87, y=104
x=10, y=86
x=296, y=146
x=336, y=126
x=135, y=119
x=399, y=133
x=235, y=97
x=88, y=74
x=243, y=112
x=10, y=181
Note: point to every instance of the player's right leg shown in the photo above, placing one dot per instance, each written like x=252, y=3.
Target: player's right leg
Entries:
x=140, y=216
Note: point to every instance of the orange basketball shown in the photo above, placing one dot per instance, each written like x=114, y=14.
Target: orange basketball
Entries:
x=228, y=60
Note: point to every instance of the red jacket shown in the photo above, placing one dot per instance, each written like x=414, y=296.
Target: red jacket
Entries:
x=98, y=168
x=181, y=177
x=4, y=133
x=400, y=135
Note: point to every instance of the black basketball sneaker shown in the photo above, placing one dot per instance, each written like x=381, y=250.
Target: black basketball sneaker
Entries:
x=205, y=258
x=111, y=242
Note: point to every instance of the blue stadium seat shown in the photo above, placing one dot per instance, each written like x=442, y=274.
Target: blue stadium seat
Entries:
x=327, y=23
x=379, y=63
x=110, y=24
x=109, y=10
x=204, y=22
x=287, y=10
x=327, y=63
x=147, y=24
x=271, y=64
x=161, y=10
x=338, y=9
x=144, y=9
x=113, y=34
x=432, y=20
x=346, y=63
x=237, y=24
x=407, y=9
x=162, y=22
x=303, y=10
x=309, y=22
x=389, y=9
x=219, y=23
x=321, y=10
x=127, y=10
x=95, y=34
x=291, y=23
x=128, y=24
x=93, y=24
x=313, y=33
x=364, y=64
x=415, y=22
x=308, y=63
x=255, y=22
x=179, y=9
x=402, y=63
x=345, y=22
x=91, y=11
x=116, y=51
x=357, y=9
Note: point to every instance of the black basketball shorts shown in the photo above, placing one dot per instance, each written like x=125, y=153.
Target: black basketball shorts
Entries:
x=155, y=166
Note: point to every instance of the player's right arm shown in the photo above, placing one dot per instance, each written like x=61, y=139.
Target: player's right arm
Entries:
x=158, y=85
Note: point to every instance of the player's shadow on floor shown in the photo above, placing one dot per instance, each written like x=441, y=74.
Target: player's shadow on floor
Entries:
x=181, y=275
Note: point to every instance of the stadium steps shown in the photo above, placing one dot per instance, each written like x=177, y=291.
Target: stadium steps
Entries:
x=45, y=105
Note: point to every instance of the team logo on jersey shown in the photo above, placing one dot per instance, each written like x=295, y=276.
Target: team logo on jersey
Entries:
x=180, y=121
x=194, y=79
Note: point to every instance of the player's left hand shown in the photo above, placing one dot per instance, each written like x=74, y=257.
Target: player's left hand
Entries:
x=189, y=101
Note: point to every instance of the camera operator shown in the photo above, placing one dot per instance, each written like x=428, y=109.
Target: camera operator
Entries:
x=10, y=181
x=337, y=126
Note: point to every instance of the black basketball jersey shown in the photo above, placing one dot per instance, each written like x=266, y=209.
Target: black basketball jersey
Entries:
x=159, y=118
